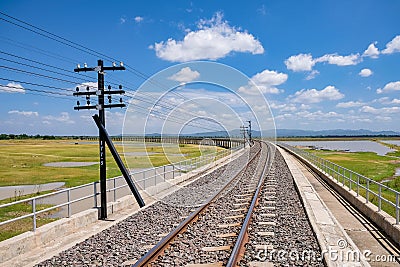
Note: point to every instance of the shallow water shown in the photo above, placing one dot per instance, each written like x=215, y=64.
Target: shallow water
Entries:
x=69, y=164
x=393, y=142
x=350, y=146
x=20, y=190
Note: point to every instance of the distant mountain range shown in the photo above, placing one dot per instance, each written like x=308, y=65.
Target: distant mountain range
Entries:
x=287, y=133
x=336, y=132
x=296, y=133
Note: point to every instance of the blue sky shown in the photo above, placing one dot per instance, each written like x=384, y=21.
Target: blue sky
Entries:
x=318, y=64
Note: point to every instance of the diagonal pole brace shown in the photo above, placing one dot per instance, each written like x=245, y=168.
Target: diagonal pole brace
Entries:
x=119, y=162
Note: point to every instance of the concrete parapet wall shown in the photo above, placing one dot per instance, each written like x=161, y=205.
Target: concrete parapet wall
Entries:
x=20, y=244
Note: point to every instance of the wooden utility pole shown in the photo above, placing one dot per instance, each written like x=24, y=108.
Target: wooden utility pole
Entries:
x=100, y=107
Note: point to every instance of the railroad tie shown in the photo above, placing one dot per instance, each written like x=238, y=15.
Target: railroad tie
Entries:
x=215, y=264
x=267, y=223
x=260, y=264
x=228, y=225
x=235, y=216
x=227, y=235
x=219, y=248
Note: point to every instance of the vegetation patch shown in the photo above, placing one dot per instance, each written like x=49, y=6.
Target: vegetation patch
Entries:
x=23, y=161
x=20, y=226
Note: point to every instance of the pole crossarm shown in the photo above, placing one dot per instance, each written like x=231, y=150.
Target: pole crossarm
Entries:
x=83, y=93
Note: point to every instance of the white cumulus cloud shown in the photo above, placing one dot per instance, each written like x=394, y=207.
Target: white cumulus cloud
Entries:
x=380, y=111
x=393, y=46
x=138, y=19
x=185, y=75
x=350, y=104
x=312, y=75
x=365, y=73
x=387, y=101
x=336, y=59
x=300, y=62
x=12, y=88
x=316, y=96
x=213, y=39
x=306, y=62
x=371, y=51
x=392, y=86
x=63, y=117
x=24, y=113
x=266, y=82
x=395, y=101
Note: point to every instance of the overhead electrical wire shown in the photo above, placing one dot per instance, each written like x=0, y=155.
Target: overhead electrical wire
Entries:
x=78, y=47
x=36, y=84
x=32, y=48
x=31, y=89
x=82, y=48
x=39, y=68
x=42, y=75
x=44, y=64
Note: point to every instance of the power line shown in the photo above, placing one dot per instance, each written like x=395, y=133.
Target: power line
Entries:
x=74, y=45
x=44, y=35
x=32, y=48
x=141, y=98
x=82, y=48
x=78, y=47
x=36, y=84
x=43, y=64
x=35, y=67
x=30, y=89
x=42, y=75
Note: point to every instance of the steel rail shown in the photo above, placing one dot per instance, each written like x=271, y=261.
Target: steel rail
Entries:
x=159, y=248
x=242, y=238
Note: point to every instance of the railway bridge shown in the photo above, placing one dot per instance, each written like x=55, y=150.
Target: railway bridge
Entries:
x=224, y=142
x=265, y=205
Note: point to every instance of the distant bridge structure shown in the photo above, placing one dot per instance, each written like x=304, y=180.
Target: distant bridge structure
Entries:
x=217, y=141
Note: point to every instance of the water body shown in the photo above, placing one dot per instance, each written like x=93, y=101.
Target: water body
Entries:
x=143, y=154
x=20, y=190
x=69, y=164
x=392, y=142
x=139, y=153
x=349, y=146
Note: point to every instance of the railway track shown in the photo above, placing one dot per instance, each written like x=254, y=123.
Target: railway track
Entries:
x=240, y=227
x=279, y=233
x=232, y=216
x=221, y=215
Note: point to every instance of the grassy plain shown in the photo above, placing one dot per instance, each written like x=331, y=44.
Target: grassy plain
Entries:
x=18, y=227
x=369, y=164
x=22, y=161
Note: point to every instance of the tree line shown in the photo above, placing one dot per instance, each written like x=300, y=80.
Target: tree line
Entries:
x=38, y=136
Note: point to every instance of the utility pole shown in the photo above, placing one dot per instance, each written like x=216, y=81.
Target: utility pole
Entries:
x=100, y=107
x=243, y=129
x=250, y=140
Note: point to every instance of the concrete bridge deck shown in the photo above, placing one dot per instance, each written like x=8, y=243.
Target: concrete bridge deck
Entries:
x=343, y=233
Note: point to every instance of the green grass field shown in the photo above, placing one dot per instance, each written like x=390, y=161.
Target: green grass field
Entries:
x=371, y=165
x=22, y=161
x=18, y=227
x=368, y=164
